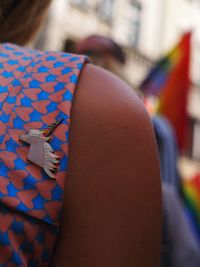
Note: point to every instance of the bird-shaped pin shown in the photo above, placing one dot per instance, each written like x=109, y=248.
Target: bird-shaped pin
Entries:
x=40, y=152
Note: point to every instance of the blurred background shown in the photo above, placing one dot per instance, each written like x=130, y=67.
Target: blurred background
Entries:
x=154, y=45
x=146, y=31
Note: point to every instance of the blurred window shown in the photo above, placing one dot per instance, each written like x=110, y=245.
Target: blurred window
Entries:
x=105, y=10
x=134, y=22
x=196, y=62
x=196, y=141
x=69, y=46
x=83, y=4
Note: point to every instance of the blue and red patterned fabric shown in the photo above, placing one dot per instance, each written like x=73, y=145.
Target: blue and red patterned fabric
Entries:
x=36, y=89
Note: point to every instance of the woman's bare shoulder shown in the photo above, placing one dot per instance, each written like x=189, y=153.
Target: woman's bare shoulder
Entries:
x=112, y=207
x=108, y=94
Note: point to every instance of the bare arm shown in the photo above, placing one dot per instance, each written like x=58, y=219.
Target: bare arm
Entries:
x=112, y=207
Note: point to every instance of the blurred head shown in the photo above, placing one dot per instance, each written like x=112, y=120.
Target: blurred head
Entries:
x=20, y=19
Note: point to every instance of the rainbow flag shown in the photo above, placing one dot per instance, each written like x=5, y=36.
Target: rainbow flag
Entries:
x=169, y=81
x=191, y=196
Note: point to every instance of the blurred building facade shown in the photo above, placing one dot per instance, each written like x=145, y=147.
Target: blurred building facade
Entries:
x=132, y=23
x=146, y=29
x=126, y=21
x=152, y=27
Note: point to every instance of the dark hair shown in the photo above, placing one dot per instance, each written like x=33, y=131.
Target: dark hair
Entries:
x=20, y=19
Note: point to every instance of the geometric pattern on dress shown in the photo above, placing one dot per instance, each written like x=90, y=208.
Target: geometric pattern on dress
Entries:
x=37, y=89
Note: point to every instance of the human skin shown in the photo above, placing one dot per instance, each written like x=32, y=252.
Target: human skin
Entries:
x=112, y=206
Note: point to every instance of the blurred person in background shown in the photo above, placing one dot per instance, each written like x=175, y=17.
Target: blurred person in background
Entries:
x=103, y=52
x=108, y=211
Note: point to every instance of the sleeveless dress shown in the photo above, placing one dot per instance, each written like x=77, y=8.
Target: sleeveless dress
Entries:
x=36, y=89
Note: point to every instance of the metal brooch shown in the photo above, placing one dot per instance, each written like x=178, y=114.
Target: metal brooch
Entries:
x=41, y=152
